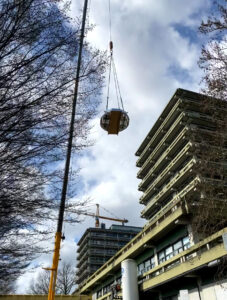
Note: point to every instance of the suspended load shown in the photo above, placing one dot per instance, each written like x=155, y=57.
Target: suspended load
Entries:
x=114, y=120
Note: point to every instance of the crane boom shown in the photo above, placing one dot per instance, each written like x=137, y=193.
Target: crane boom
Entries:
x=106, y=218
x=97, y=217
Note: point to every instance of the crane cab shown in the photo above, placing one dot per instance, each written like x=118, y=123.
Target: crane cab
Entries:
x=114, y=120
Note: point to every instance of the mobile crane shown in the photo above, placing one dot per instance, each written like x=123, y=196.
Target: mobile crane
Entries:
x=113, y=121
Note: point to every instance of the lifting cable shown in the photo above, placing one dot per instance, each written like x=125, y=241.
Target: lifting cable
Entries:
x=112, y=67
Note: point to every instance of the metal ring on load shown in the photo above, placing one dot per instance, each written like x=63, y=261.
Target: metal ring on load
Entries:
x=114, y=121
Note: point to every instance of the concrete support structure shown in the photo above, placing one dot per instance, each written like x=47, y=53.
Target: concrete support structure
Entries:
x=129, y=280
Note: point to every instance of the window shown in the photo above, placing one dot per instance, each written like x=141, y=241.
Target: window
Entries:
x=147, y=264
x=173, y=249
x=161, y=257
x=186, y=242
x=178, y=247
x=140, y=268
x=99, y=293
x=152, y=262
x=169, y=252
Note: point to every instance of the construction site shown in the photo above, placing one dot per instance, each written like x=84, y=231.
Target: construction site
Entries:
x=50, y=116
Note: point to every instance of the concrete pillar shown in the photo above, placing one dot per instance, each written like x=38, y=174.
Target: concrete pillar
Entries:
x=192, y=236
x=129, y=280
x=183, y=295
x=155, y=257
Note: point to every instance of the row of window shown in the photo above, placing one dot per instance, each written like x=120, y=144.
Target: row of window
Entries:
x=109, y=243
x=106, y=289
x=110, y=234
x=164, y=254
x=173, y=250
x=102, y=251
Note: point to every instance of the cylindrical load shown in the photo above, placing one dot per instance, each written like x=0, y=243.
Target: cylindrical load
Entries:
x=114, y=120
x=129, y=280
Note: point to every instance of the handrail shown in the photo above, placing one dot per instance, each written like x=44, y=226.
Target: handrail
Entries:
x=165, y=153
x=174, y=109
x=176, y=123
x=167, y=169
x=168, y=185
x=181, y=153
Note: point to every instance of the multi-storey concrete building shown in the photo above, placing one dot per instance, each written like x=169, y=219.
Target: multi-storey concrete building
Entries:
x=182, y=165
x=97, y=245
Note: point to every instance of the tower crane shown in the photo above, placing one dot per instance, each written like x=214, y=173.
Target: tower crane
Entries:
x=97, y=217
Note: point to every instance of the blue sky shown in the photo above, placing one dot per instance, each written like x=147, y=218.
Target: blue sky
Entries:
x=156, y=49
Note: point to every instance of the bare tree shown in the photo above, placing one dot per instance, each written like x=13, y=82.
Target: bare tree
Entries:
x=213, y=58
x=38, y=51
x=211, y=214
x=65, y=281
x=7, y=287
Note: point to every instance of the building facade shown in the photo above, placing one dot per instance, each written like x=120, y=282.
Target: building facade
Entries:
x=180, y=252
x=97, y=245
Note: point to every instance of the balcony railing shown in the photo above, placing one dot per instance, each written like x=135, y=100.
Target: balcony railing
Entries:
x=167, y=188
x=175, y=110
x=210, y=249
x=172, y=147
x=173, y=163
x=176, y=199
x=168, y=172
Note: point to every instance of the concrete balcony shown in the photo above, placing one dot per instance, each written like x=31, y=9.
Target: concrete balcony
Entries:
x=168, y=136
x=81, y=262
x=197, y=256
x=188, y=188
x=147, y=196
x=167, y=189
x=83, y=240
x=84, y=265
x=173, y=166
x=150, y=164
x=83, y=256
x=196, y=118
x=165, y=124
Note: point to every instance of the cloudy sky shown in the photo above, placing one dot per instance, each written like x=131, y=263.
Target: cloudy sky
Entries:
x=156, y=49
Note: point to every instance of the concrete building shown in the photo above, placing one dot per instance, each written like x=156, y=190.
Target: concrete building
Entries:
x=175, y=261
x=97, y=245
